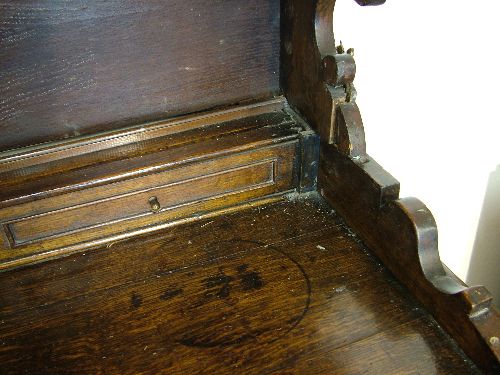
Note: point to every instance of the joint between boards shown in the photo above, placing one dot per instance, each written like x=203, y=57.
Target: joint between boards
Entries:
x=309, y=161
x=309, y=154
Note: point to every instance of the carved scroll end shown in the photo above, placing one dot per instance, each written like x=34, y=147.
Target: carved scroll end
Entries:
x=339, y=69
x=345, y=128
x=467, y=313
x=350, y=133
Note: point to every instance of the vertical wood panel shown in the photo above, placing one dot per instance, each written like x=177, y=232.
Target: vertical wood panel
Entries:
x=77, y=67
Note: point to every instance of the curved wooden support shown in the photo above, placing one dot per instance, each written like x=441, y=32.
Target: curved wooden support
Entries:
x=317, y=79
x=402, y=232
x=339, y=70
x=307, y=38
x=323, y=30
x=350, y=134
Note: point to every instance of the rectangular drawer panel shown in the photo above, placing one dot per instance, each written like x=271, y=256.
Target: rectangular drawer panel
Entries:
x=136, y=204
x=65, y=223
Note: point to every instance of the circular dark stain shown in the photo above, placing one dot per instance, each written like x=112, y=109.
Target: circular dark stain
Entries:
x=251, y=291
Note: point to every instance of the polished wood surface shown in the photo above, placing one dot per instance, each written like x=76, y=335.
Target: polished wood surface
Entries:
x=129, y=141
x=279, y=289
x=317, y=78
x=144, y=148
x=403, y=234
x=100, y=160
x=70, y=67
x=202, y=164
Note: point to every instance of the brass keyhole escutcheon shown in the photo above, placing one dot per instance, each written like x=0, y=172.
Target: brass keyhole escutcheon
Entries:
x=155, y=205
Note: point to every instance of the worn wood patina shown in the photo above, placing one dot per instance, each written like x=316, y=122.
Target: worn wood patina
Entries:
x=185, y=189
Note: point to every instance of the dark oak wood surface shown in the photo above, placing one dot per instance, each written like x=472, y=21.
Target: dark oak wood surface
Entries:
x=403, y=234
x=317, y=79
x=59, y=204
x=96, y=168
x=279, y=289
x=173, y=276
x=70, y=67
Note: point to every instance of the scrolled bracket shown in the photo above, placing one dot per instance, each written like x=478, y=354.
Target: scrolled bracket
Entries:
x=317, y=80
x=339, y=69
x=317, y=76
x=349, y=132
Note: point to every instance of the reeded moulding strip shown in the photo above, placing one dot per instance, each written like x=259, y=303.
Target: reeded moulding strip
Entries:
x=48, y=152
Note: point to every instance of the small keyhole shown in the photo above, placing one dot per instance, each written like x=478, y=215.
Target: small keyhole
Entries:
x=155, y=205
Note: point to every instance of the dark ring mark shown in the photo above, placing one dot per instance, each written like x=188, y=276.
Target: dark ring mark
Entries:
x=211, y=344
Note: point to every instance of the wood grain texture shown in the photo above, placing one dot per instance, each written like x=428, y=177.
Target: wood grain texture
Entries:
x=66, y=205
x=134, y=140
x=136, y=203
x=70, y=67
x=75, y=172
x=402, y=232
x=316, y=78
x=184, y=281
x=280, y=289
x=307, y=38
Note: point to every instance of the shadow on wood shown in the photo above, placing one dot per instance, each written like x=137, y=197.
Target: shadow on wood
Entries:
x=483, y=268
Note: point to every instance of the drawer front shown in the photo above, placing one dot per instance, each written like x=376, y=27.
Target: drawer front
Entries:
x=136, y=204
x=59, y=224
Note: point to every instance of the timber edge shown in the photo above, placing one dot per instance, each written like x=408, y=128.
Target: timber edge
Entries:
x=92, y=192
x=317, y=79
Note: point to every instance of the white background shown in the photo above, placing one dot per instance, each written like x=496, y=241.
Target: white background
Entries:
x=428, y=75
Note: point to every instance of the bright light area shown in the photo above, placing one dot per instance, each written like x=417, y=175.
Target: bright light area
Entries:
x=427, y=80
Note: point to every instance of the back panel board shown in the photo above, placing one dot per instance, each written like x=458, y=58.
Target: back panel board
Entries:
x=70, y=68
